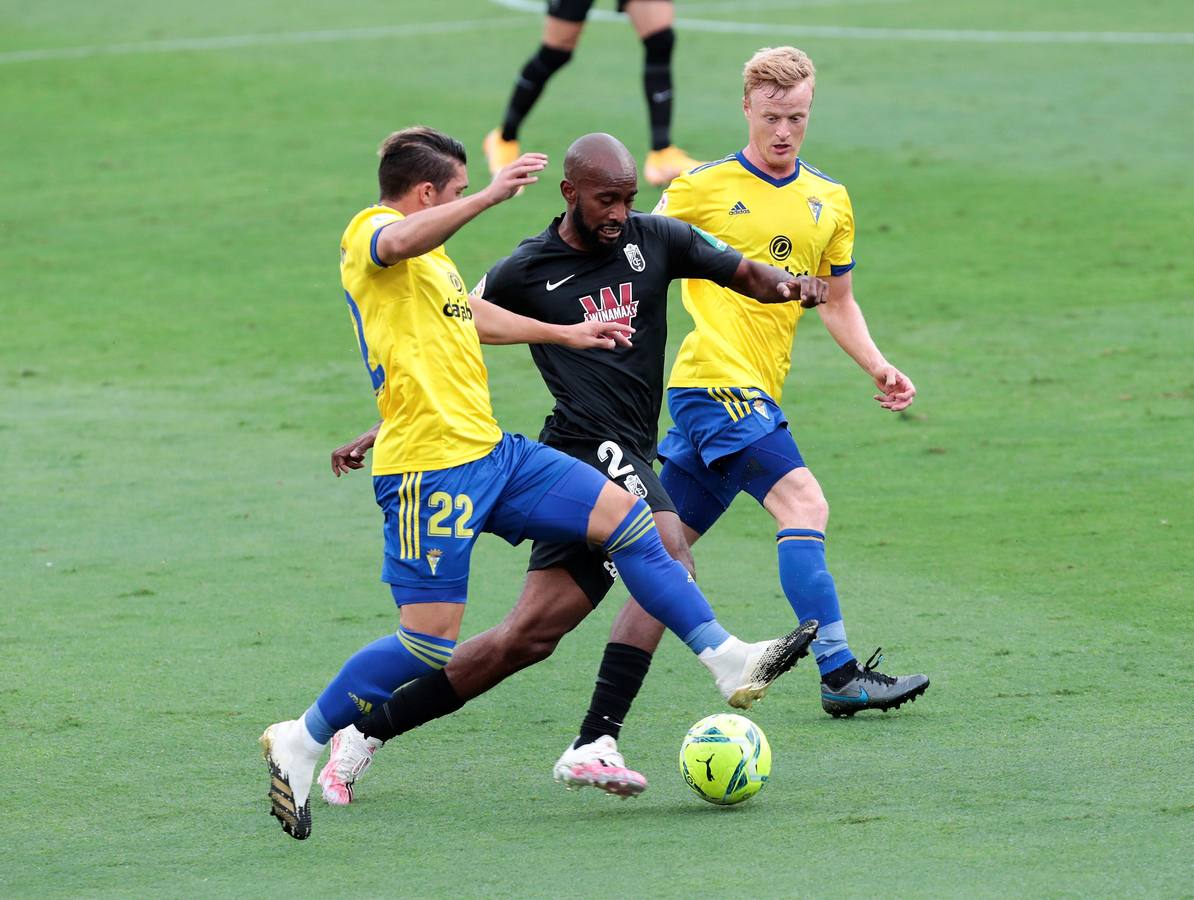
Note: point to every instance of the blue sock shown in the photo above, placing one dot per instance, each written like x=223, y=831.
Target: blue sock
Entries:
x=371, y=675
x=810, y=589
x=661, y=585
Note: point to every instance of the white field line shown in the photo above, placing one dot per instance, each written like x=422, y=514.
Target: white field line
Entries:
x=945, y=35
x=233, y=41
x=292, y=38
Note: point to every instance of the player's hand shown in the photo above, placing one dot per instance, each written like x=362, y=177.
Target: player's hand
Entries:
x=352, y=455
x=601, y=335
x=812, y=291
x=514, y=177
x=897, y=390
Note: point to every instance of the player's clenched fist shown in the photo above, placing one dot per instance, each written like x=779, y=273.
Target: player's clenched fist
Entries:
x=514, y=177
x=812, y=291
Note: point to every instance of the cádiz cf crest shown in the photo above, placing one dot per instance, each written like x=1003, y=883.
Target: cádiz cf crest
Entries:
x=634, y=256
x=433, y=556
x=814, y=206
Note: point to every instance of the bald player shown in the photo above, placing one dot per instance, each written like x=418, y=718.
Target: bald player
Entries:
x=599, y=261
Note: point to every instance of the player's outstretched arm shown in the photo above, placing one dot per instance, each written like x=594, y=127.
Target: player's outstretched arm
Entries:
x=352, y=454
x=426, y=229
x=844, y=320
x=769, y=284
x=497, y=325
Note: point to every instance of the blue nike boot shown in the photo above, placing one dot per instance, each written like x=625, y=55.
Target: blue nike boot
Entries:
x=847, y=690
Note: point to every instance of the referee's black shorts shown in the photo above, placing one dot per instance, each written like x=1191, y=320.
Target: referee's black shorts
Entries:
x=589, y=567
x=574, y=10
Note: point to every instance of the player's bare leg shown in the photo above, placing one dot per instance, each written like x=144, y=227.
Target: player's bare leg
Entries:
x=291, y=752
x=559, y=40
x=801, y=513
x=652, y=21
x=743, y=672
x=551, y=605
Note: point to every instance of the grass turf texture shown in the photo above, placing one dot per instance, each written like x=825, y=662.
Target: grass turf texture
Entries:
x=180, y=568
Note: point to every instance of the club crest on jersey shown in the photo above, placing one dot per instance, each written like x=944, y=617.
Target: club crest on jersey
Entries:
x=634, y=256
x=814, y=206
x=635, y=485
x=433, y=557
x=457, y=284
x=621, y=307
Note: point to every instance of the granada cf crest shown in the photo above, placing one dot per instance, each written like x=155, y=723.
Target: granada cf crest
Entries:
x=814, y=206
x=635, y=485
x=634, y=256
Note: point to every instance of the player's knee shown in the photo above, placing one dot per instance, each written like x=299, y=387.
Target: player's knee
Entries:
x=549, y=60
x=798, y=502
x=610, y=511
x=525, y=645
x=659, y=46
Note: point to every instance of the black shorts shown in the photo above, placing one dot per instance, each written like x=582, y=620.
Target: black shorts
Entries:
x=574, y=10
x=589, y=566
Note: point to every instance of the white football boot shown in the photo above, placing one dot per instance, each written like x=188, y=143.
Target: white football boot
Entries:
x=600, y=765
x=352, y=754
x=291, y=755
x=745, y=671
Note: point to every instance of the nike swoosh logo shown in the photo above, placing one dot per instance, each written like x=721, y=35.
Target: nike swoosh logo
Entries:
x=661, y=96
x=862, y=697
x=552, y=287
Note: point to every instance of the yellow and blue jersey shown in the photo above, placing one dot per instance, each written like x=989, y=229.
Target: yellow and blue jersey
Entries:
x=416, y=335
x=803, y=223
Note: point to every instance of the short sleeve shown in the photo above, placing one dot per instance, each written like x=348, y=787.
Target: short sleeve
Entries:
x=501, y=285
x=694, y=253
x=677, y=201
x=371, y=232
x=838, y=258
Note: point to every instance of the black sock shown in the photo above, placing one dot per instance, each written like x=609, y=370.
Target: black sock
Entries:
x=540, y=67
x=622, y=671
x=415, y=703
x=657, y=82
x=839, y=676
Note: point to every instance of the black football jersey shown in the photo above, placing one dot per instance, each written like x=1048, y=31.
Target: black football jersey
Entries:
x=607, y=394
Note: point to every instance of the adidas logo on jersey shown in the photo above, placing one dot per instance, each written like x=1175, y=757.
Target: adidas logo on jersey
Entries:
x=739, y=209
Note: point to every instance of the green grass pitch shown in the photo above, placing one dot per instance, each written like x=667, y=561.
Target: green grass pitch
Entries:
x=179, y=568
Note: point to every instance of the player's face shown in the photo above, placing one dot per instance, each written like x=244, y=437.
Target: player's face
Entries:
x=602, y=208
x=454, y=188
x=777, y=124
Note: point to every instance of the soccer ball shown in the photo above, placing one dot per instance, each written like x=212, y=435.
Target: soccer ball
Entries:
x=725, y=759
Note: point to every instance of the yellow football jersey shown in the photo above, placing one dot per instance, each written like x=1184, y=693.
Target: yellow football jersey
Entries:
x=416, y=335
x=803, y=223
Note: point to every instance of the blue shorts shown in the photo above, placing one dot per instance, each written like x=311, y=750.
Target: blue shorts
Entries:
x=725, y=441
x=520, y=489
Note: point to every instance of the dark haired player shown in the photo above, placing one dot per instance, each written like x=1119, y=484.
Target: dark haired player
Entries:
x=598, y=262
x=444, y=472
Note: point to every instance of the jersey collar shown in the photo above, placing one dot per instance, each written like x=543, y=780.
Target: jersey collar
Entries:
x=759, y=173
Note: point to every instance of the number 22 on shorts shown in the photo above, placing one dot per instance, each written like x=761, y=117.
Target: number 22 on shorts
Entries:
x=444, y=503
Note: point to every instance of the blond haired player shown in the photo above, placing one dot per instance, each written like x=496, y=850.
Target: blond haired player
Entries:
x=731, y=435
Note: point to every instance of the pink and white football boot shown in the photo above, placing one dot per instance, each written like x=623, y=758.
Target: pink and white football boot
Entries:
x=352, y=754
x=599, y=765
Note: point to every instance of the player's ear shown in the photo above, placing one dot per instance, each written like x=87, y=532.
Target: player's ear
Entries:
x=425, y=191
x=568, y=191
